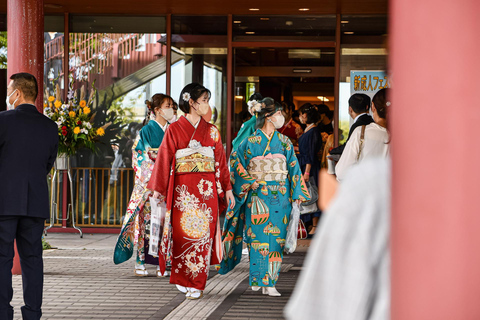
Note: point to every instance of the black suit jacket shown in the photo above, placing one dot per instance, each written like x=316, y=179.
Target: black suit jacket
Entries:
x=363, y=120
x=28, y=149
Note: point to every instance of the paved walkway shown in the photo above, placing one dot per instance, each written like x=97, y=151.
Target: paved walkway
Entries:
x=81, y=282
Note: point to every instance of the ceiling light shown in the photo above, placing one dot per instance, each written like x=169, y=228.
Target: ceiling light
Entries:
x=303, y=9
x=302, y=70
x=349, y=32
x=324, y=99
x=237, y=21
x=250, y=32
x=289, y=23
x=264, y=19
x=253, y=52
x=239, y=97
x=344, y=21
x=254, y=9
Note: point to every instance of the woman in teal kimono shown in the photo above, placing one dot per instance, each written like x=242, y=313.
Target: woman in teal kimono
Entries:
x=136, y=224
x=266, y=179
x=248, y=128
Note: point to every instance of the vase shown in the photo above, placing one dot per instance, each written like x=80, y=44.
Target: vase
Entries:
x=62, y=162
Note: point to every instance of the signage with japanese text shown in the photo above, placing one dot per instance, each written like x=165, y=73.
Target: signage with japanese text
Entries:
x=368, y=82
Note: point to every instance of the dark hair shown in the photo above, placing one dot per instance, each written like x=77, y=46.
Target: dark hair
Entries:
x=269, y=107
x=256, y=96
x=27, y=84
x=156, y=102
x=288, y=106
x=195, y=90
x=313, y=116
x=359, y=102
x=381, y=102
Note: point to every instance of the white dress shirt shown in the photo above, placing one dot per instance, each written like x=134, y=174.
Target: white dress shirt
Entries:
x=376, y=145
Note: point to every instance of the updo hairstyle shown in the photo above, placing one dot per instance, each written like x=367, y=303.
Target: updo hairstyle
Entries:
x=269, y=108
x=154, y=103
x=381, y=102
x=191, y=91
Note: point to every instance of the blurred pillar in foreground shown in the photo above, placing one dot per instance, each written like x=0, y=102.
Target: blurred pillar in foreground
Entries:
x=25, y=46
x=25, y=51
x=435, y=117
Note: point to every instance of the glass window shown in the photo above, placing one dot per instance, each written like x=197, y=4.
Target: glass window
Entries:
x=199, y=54
x=284, y=28
x=123, y=60
x=363, y=47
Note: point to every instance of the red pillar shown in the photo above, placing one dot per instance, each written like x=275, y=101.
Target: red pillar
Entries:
x=25, y=51
x=25, y=40
x=435, y=155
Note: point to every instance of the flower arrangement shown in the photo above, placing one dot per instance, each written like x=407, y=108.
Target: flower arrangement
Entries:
x=74, y=120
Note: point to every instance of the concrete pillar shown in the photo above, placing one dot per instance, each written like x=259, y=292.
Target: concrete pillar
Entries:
x=436, y=172
x=25, y=40
x=25, y=51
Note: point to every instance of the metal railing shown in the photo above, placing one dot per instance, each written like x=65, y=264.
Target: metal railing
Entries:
x=101, y=196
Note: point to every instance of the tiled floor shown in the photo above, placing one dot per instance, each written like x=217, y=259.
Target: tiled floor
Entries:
x=82, y=282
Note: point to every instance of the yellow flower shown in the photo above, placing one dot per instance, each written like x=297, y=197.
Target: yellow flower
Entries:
x=51, y=98
x=100, y=132
x=86, y=110
x=71, y=114
x=58, y=104
x=83, y=104
x=76, y=130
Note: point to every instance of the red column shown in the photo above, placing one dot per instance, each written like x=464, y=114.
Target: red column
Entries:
x=25, y=51
x=25, y=40
x=435, y=155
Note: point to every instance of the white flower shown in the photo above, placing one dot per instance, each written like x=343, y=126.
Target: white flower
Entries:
x=88, y=125
x=186, y=97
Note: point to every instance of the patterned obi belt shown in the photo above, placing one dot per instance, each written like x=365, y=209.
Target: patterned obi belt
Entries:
x=195, y=160
x=268, y=168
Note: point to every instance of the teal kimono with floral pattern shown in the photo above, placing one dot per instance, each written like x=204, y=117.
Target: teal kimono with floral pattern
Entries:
x=261, y=216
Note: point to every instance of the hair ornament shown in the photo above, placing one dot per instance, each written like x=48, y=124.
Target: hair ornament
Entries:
x=186, y=96
x=388, y=103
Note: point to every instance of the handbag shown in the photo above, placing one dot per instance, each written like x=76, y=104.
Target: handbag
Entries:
x=313, y=190
x=302, y=231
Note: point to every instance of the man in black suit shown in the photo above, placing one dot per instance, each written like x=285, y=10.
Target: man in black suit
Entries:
x=28, y=149
x=358, y=106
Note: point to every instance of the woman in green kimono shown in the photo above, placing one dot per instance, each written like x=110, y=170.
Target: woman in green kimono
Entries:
x=248, y=128
x=136, y=224
x=266, y=179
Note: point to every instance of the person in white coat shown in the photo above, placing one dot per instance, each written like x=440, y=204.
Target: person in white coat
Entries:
x=370, y=141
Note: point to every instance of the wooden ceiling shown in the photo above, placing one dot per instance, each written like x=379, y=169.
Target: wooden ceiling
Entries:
x=212, y=7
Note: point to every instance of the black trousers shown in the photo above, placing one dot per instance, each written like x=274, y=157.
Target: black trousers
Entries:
x=28, y=233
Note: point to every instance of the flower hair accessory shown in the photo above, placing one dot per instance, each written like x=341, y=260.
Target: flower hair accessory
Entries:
x=186, y=97
x=388, y=103
x=254, y=107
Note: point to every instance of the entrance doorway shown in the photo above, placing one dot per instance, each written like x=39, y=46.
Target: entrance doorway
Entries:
x=293, y=75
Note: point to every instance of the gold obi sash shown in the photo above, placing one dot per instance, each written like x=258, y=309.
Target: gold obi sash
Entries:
x=195, y=160
x=269, y=168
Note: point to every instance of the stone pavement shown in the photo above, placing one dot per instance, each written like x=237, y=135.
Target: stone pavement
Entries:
x=82, y=282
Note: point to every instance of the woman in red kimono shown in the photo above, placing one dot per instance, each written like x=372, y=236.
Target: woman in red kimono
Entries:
x=192, y=176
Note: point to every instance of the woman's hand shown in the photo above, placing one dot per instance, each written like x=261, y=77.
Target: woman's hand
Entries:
x=306, y=177
x=298, y=201
x=230, y=199
x=255, y=185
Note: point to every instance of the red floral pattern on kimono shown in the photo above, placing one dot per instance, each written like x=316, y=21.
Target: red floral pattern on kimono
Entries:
x=292, y=130
x=193, y=187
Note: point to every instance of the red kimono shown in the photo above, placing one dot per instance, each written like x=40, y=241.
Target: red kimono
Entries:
x=292, y=130
x=191, y=173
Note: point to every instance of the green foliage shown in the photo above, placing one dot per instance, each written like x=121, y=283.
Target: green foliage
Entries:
x=45, y=244
x=3, y=50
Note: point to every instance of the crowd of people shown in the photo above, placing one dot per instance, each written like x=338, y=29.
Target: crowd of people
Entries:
x=181, y=166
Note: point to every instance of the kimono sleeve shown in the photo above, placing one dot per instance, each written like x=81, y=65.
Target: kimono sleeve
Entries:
x=297, y=184
x=311, y=155
x=221, y=169
x=163, y=164
x=240, y=178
